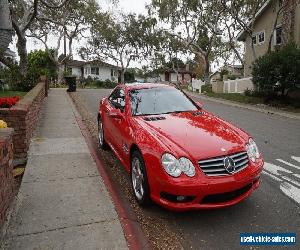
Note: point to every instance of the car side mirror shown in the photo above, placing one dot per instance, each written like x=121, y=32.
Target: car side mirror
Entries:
x=200, y=104
x=119, y=106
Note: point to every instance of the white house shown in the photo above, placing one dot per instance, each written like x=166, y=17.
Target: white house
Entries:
x=97, y=70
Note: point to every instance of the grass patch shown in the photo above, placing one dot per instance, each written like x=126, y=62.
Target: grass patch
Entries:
x=9, y=93
x=236, y=97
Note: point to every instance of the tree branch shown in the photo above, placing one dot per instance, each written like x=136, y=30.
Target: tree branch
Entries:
x=32, y=15
x=65, y=2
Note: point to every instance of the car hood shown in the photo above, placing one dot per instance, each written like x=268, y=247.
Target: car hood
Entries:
x=195, y=134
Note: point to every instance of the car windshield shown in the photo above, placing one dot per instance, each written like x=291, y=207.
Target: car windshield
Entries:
x=159, y=100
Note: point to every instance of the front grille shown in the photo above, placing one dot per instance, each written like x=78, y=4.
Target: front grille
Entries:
x=224, y=197
x=215, y=166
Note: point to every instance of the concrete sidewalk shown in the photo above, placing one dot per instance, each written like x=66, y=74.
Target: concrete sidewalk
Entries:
x=62, y=202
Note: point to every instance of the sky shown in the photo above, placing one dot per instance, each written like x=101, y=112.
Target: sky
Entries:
x=127, y=6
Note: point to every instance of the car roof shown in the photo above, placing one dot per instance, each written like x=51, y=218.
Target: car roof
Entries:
x=132, y=86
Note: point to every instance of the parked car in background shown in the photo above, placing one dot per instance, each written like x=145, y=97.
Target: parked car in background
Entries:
x=178, y=155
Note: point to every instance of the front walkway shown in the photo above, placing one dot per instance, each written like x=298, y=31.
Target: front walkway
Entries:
x=62, y=202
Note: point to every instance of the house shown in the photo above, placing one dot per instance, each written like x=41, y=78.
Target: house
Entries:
x=263, y=28
x=216, y=76
x=8, y=54
x=235, y=71
x=96, y=69
x=184, y=75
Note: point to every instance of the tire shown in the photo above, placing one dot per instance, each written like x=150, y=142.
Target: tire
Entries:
x=101, y=138
x=139, y=179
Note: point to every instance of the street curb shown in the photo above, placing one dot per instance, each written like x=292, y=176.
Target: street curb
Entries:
x=131, y=227
x=245, y=106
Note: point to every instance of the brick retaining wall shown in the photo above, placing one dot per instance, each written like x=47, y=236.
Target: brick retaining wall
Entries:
x=23, y=118
x=6, y=172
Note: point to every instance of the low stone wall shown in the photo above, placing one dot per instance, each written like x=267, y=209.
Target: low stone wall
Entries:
x=23, y=118
x=6, y=172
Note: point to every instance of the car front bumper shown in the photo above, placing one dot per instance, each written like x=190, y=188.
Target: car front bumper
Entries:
x=216, y=192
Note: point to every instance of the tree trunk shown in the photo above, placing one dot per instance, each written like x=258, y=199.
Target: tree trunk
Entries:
x=288, y=21
x=273, y=30
x=206, y=72
x=70, y=47
x=122, y=76
x=22, y=51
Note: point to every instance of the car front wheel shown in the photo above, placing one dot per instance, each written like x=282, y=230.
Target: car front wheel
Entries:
x=139, y=179
x=101, y=140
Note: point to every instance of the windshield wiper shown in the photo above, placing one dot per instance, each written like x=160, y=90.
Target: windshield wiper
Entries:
x=170, y=112
x=175, y=112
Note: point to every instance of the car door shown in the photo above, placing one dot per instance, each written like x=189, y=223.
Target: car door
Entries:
x=115, y=117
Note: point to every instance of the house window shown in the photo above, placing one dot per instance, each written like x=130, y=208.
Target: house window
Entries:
x=254, y=39
x=95, y=71
x=278, y=35
x=258, y=38
x=261, y=37
x=111, y=72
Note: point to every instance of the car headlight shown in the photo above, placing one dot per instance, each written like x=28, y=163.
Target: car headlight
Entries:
x=175, y=167
x=252, y=150
x=187, y=166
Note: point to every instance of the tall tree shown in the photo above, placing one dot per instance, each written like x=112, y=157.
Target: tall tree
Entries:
x=23, y=14
x=67, y=23
x=123, y=41
x=194, y=22
x=242, y=13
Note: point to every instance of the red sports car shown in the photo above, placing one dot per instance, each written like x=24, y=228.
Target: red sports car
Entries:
x=178, y=155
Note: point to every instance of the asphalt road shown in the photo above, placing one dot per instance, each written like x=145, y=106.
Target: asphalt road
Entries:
x=274, y=207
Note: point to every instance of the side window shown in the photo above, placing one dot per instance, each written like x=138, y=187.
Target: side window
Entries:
x=261, y=37
x=278, y=35
x=254, y=39
x=117, y=99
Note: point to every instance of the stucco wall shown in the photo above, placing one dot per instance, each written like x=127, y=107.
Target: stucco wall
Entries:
x=263, y=23
x=76, y=71
x=104, y=73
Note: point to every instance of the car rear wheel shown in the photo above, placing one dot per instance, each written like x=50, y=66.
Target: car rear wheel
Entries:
x=101, y=139
x=139, y=179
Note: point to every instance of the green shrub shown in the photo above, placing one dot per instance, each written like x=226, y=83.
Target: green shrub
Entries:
x=99, y=84
x=207, y=88
x=277, y=71
x=40, y=63
x=108, y=84
x=231, y=77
